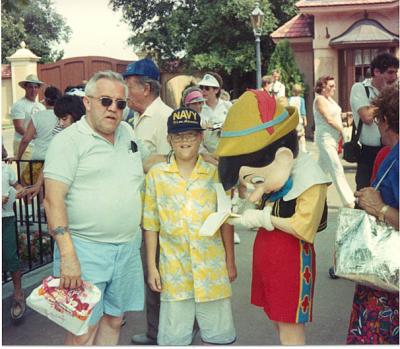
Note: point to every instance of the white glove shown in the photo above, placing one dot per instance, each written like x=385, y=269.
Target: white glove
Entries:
x=254, y=219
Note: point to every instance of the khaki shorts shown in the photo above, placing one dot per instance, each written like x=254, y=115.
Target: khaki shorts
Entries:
x=214, y=318
x=26, y=173
x=25, y=156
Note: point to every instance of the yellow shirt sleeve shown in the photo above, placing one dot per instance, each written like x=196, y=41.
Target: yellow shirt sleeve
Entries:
x=151, y=219
x=308, y=213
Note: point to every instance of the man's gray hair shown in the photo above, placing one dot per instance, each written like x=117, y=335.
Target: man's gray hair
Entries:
x=155, y=85
x=90, y=88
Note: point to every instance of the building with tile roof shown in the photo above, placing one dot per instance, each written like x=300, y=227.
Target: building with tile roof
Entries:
x=340, y=38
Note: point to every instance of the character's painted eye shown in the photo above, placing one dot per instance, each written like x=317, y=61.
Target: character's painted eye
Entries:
x=257, y=180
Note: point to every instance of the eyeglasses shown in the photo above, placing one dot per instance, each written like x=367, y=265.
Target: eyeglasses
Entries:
x=180, y=137
x=207, y=88
x=107, y=101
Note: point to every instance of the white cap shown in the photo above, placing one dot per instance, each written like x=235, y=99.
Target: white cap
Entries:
x=209, y=80
x=76, y=92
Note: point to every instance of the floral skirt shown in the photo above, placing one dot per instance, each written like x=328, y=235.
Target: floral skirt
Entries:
x=374, y=317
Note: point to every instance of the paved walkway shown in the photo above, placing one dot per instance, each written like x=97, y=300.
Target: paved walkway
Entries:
x=331, y=309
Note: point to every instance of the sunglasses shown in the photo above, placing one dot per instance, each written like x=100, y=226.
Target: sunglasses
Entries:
x=207, y=88
x=107, y=101
x=377, y=121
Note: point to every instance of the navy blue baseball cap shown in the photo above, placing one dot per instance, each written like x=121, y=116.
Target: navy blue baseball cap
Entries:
x=184, y=119
x=143, y=67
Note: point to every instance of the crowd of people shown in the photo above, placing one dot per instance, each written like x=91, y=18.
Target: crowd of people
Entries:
x=152, y=170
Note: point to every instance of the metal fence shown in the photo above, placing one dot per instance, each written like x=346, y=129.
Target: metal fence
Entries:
x=35, y=245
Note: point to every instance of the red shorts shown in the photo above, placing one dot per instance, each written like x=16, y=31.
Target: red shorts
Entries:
x=283, y=276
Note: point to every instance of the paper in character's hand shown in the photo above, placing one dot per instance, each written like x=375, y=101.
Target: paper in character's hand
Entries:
x=224, y=211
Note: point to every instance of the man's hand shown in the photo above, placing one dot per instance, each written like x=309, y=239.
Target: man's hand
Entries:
x=254, y=219
x=152, y=160
x=70, y=272
x=20, y=193
x=4, y=199
x=154, y=279
x=210, y=158
x=10, y=159
x=32, y=191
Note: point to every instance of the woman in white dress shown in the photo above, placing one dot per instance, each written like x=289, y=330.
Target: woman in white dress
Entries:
x=328, y=131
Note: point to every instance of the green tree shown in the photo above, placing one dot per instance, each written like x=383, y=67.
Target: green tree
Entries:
x=283, y=59
x=12, y=33
x=13, y=5
x=283, y=10
x=203, y=34
x=38, y=24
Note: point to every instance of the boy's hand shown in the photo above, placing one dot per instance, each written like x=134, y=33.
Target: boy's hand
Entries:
x=154, y=280
x=232, y=272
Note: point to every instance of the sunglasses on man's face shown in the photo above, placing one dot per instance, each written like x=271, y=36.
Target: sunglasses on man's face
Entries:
x=107, y=101
x=207, y=88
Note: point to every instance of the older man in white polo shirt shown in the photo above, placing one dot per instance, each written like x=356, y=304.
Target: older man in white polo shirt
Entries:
x=93, y=176
x=22, y=110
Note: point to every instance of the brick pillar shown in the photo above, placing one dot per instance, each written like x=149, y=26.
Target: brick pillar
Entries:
x=23, y=62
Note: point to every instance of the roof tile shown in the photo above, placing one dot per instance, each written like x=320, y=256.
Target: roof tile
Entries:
x=6, y=71
x=300, y=26
x=324, y=3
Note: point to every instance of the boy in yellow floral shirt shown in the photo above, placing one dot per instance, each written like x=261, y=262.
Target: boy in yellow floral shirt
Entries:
x=194, y=271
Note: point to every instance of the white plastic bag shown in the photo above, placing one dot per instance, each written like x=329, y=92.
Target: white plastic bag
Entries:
x=71, y=309
x=366, y=250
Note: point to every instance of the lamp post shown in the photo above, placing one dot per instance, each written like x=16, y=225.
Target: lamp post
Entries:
x=257, y=17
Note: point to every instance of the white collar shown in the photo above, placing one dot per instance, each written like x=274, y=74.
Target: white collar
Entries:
x=305, y=174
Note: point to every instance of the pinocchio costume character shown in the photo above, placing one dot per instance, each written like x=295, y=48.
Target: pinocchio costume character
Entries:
x=258, y=150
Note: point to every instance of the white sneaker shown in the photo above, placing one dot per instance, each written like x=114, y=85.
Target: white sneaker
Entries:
x=236, y=238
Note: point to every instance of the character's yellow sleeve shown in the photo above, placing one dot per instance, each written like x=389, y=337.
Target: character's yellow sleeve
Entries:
x=308, y=213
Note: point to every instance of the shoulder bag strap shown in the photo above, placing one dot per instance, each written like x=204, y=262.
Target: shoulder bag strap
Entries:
x=355, y=134
x=384, y=175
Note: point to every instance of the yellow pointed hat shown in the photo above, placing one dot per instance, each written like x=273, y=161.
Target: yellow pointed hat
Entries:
x=253, y=122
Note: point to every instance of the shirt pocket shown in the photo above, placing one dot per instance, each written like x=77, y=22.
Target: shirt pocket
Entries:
x=134, y=164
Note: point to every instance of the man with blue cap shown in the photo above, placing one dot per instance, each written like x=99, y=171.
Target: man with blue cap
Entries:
x=149, y=125
x=151, y=113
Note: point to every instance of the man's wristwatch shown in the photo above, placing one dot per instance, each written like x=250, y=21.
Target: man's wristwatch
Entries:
x=382, y=212
x=59, y=231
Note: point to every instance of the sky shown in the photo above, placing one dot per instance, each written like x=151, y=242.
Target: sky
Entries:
x=97, y=30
